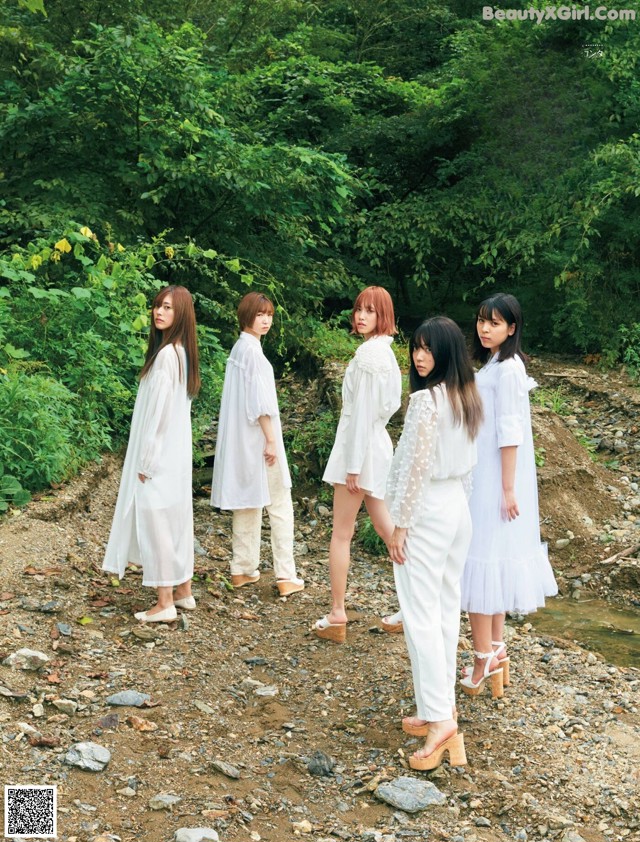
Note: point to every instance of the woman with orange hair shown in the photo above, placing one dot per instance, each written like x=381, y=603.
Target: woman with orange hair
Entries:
x=153, y=520
x=361, y=457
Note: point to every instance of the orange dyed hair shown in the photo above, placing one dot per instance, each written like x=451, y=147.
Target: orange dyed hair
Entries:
x=252, y=304
x=380, y=300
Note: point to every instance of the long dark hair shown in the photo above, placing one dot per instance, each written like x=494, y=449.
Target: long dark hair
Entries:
x=509, y=308
x=452, y=366
x=182, y=332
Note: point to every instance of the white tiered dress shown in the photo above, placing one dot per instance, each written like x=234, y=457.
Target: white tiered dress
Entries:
x=507, y=568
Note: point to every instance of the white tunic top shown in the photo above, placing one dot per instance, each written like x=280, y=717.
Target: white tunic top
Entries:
x=153, y=520
x=249, y=391
x=507, y=568
x=432, y=447
x=371, y=394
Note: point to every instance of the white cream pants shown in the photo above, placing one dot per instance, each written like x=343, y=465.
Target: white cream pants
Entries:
x=247, y=524
x=428, y=586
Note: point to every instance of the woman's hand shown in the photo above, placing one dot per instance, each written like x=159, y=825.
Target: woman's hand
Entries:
x=510, y=510
x=353, y=483
x=141, y=477
x=396, y=545
x=270, y=452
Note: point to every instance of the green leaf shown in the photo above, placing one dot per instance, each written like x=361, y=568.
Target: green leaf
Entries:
x=81, y=292
x=84, y=621
x=16, y=353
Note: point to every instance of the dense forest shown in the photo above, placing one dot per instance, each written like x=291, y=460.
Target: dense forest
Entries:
x=307, y=149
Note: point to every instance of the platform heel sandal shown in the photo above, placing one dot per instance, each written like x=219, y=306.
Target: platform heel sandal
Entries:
x=500, y=651
x=457, y=755
x=494, y=676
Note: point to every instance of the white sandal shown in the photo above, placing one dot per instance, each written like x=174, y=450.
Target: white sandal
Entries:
x=496, y=677
x=500, y=648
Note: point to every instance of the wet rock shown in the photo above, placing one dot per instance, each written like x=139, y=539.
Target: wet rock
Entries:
x=89, y=756
x=410, y=794
x=26, y=659
x=128, y=698
x=225, y=768
x=320, y=764
x=196, y=834
x=164, y=801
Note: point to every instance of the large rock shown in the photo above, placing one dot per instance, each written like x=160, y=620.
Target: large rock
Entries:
x=164, y=801
x=26, y=659
x=410, y=794
x=89, y=756
x=128, y=698
x=196, y=834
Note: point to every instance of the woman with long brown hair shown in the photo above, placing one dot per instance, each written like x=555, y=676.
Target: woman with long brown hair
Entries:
x=153, y=520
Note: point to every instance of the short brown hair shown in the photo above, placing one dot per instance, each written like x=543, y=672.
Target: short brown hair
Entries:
x=380, y=300
x=252, y=304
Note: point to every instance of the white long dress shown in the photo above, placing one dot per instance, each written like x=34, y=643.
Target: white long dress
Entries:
x=153, y=520
x=507, y=568
x=249, y=391
x=371, y=394
x=426, y=495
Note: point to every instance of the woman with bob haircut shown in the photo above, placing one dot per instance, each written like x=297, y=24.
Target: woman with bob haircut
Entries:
x=362, y=452
x=250, y=471
x=153, y=519
x=427, y=500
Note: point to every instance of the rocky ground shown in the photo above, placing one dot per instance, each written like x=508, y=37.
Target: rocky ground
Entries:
x=242, y=722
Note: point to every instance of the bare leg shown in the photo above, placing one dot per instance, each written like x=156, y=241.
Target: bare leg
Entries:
x=497, y=627
x=380, y=518
x=182, y=591
x=345, y=509
x=481, y=630
x=165, y=600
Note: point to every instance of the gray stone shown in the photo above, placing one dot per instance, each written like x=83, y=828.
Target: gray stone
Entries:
x=196, y=834
x=50, y=607
x=67, y=706
x=89, y=756
x=410, y=794
x=561, y=543
x=226, y=769
x=164, y=801
x=482, y=821
x=64, y=629
x=320, y=764
x=128, y=698
x=198, y=549
x=572, y=836
x=26, y=659
x=266, y=690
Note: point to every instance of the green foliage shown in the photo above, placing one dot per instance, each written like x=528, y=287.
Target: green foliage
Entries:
x=553, y=399
x=630, y=347
x=369, y=539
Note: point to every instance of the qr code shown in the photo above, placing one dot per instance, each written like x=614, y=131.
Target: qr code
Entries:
x=30, y=811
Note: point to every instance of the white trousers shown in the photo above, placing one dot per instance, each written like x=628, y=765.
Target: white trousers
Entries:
x=247, y=524
x=428, y=586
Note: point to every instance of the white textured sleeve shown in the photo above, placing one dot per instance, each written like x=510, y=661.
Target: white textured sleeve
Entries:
x=413, y=461
x=467, y=484
x=161, y=390
x=510, y=394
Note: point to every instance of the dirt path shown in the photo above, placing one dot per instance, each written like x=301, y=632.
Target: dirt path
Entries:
x=242, y=681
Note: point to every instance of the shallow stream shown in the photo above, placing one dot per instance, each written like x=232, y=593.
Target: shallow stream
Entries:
x=613, y=632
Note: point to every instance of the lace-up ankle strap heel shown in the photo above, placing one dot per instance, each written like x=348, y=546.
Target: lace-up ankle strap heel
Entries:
x=495, y=677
